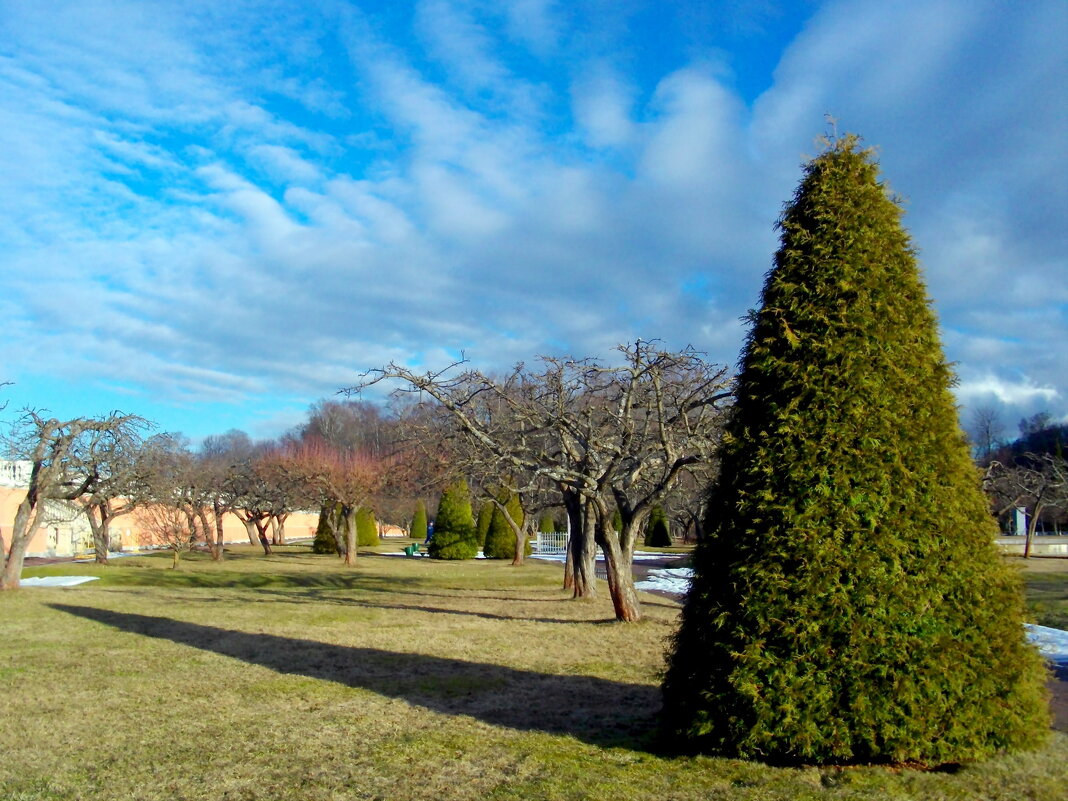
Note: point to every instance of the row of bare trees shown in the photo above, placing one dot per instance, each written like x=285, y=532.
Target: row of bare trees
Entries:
x=604, y=443
x=574, y=433
x=109, y=467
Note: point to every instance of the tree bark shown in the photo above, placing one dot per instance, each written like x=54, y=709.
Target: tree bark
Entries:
x=619, y=569
x=573, y=509
x=250, y=530
x=217, y=548
x=26, y=518
x=348, y=524
x=261, y=531
x=206, y=530
x=1032, y=526
x=583, y=549
x=522, y=535
x=278, y=528
x=100, y=529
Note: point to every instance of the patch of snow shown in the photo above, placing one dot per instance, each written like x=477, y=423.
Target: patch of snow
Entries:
x=479, y=555
x=667, y=579
x=639, y=556
x=1051, y=643
x=56, y=581
x=111, y=555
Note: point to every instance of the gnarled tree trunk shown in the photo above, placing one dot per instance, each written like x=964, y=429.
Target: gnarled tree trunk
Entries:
x=348, y=527
x=619, y=569
x=14, y=555
x=582, y=549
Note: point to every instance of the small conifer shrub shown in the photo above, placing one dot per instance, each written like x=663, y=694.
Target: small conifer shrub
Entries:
x=454, y=527
x=482, y=524
x=418, y=529
x=500, y=539
x=849, y=603
x=657, y=531
x=366, y=527
x=329, y=516
x=546, y=524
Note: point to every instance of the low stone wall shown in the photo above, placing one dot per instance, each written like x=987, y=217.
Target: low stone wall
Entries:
x=1040, y=546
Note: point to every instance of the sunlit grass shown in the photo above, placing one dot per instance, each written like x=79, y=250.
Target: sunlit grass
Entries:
x=293, y=677
x=1047, y=590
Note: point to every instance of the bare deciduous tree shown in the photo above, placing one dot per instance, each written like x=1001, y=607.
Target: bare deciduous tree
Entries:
x=986, y=432
x=171, y=526
x=121, y=481
x=1036, y=482
x=347, y=479
x=64, y=456
x=602, y=436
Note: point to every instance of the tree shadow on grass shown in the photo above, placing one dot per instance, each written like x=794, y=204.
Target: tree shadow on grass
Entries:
x=232, y=578
x=484, y=615
x=605, y=713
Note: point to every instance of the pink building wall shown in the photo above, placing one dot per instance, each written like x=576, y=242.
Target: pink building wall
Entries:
x=68, y=534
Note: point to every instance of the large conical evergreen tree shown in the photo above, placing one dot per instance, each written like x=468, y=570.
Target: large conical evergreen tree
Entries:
x=454, y=527
x=849, y=603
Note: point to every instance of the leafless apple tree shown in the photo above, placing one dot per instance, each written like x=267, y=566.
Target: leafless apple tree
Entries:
x=67, y=459
x=603, y=437
x=1036, y=482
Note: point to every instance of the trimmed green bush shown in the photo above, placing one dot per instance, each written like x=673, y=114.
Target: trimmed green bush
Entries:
x=482, y=525
x=366, y=527
x=500, y=539
x=657, y=531
x=546, y=524
x=329, y=517
x=849, y=604
x=418, y=529
x=454, y=527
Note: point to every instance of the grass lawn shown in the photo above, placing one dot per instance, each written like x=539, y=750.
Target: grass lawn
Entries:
x=1047, y=590
x=292, y=677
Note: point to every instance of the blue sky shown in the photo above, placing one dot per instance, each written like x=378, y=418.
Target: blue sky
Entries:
x=214, y=214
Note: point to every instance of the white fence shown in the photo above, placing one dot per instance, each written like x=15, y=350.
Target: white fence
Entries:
x=551, y=542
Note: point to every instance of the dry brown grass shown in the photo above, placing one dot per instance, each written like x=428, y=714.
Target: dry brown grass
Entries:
x=292, y=677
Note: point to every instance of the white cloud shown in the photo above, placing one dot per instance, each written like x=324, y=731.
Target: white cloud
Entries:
x=284, y=164
x=1021, y=391
x=603, y=104
x=170, y=224
x=535, y=23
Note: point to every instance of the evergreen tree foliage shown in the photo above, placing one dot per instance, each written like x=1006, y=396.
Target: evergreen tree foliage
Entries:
x=418, y=529
x=366, y=527
x=657, y=531
x=849, y=604
x=546, y=524
x=617, y=520
x=329, y=516
x=454, y=527
x=500, y=539
x=482, y=525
